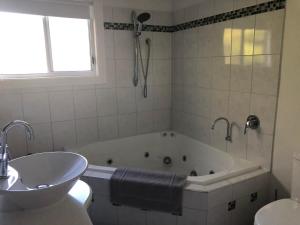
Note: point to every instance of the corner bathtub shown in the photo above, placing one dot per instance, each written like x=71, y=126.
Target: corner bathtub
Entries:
x=222, y=186
x=148, y=151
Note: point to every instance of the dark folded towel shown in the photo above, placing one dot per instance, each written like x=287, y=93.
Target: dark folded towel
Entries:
x=147, y=190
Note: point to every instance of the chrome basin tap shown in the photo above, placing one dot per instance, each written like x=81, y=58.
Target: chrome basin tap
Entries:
x=228, y=129
x=4, y=152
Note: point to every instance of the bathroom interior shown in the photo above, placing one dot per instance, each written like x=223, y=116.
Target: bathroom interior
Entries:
x=149, y=112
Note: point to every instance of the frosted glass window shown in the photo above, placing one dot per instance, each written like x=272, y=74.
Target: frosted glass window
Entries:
x=70, y=44
x=22, y=44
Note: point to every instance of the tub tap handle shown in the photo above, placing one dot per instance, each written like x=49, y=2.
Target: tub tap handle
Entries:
x=252, y=122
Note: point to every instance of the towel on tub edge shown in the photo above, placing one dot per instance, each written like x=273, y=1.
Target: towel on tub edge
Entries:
x=148, y=190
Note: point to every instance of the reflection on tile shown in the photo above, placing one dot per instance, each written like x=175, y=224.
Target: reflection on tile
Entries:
x=268, y=32
x=243, y=36
x=241, y=73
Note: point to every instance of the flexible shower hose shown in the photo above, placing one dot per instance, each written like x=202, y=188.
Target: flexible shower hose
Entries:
x=145, y=71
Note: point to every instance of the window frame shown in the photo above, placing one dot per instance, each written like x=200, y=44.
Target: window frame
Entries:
x=59, y=74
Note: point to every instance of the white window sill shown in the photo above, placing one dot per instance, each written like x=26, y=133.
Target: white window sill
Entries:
x=29, y=81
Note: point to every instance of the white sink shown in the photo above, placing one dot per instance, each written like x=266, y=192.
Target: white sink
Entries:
x=13, y=175
x=44, y=178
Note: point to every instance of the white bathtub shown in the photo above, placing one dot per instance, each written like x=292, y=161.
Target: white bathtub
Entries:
x=237, y=189
x=148, y=151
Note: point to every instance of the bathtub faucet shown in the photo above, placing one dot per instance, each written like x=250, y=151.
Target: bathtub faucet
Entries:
x=4, y=153
x=228, y=129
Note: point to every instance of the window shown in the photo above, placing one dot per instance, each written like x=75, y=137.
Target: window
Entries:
x=33, y=45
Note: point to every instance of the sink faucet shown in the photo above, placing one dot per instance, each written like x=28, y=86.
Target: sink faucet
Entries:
x=228, y=130
x=4, y=153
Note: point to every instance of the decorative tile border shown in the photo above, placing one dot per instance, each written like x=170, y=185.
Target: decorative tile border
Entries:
x=239, y=13
x=129, y=26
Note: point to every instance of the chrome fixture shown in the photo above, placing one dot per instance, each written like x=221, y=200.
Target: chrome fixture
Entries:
x=228, y=129
x=138, y=21
x=5, y=157
x=252, y=122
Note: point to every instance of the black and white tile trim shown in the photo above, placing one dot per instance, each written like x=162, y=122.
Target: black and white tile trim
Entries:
x=129, y=26
x=244, y=12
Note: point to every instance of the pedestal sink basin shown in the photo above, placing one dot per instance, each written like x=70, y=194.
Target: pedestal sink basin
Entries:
x=44, y=178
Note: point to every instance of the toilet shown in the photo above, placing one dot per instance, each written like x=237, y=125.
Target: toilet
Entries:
x=285, y=211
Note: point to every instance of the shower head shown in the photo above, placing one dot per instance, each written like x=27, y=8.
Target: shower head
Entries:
x=143, y=17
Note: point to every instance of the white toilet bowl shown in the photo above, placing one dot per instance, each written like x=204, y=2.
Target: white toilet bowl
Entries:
x=285, y=211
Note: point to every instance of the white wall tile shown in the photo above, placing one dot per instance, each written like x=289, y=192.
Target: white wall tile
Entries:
x=178, y=16
x=191, y=43
x=162, y=71
x=158, y=218
x=206, y=9
x=36, y=107
x=123, y=44
x=122, y=15
x=161, y=120
x=221, y=39
x=222, y=6
x=162, y=45
x=61, y=105
x=191, y=13
x=239, y=107
x=145, y=123
x=108, y=14
x=124, y=72
x=144, y=104
x=85, y=103
x=238, y=146
x=161, y=97
x=219, y=215
x=11, y=108
x=178, y=98
x=64, y=134
x=42, y=141
x=178, y=44
x=219, y=196
x=109, y=44
x=108, y=127
x=219, y=104
x=126, y=100
x=87, y=130
x=266, y=74
x=17, y=142
x=106, y=101
x=192, y=217
x=161, y=18
x=218, y=136
x=127, y=125
x=238, y=4
x=268, y=32
x=204, y=73
x=241, y=73
x=265, y=108
x=220, y=73
x=243, y=35
x=206, y=41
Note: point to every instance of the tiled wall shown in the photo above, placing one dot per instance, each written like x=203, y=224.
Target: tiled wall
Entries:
x=227, y=69
x=71, y=115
